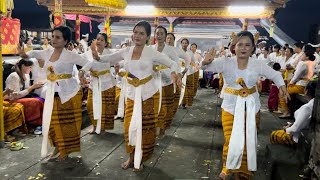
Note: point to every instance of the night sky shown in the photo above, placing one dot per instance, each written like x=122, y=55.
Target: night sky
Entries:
x=298, y=16
x=295, y=20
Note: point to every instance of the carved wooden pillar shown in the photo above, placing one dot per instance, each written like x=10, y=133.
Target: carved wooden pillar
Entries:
x=58, y=20
x=77, y=28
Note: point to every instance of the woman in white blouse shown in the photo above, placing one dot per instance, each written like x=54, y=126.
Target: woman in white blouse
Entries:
x=167, y=87
x=185, y=64
x=142, y=93
x=62, y=116
x=19, y=82
x=301, y=77
x=241, y=99
x=101, y=95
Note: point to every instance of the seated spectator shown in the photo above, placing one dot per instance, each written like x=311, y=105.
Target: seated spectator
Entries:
x=19, y=82
x=13, y=116
x=290, y=134
x=302, y=75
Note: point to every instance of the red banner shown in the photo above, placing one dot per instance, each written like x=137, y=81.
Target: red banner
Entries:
x=10, y=35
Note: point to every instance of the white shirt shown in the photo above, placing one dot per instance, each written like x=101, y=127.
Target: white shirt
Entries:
x=166, y=73
x=67, y=88
x=296, y=59
x=230, y=72
x=107, y=80
x=84, y=44
x=141, y=68
x=262, y=58
x=300, y=73
x=39, y=75
x=13, y=83
x=184, y=57
x=302, y=119
x=282, y=61
x=273, y=56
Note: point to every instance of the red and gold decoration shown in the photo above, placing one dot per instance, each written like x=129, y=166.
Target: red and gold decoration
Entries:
x=156, y=24
x=10, y=35
x=58, y=20
x=107, y=28
x=77, y=28
x=117, y=4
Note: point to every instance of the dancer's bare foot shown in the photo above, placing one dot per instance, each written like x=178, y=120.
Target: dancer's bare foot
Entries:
x=127, y=164
x=93, y=130
x=138, y=170
x=53, y=155
x=62, y=158
x=162, y=133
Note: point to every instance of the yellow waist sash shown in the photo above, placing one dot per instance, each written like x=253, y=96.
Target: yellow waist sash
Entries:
x=54, y=77
x=99, y=73
x=137, y=82
x=244, y=92
x=159, y=67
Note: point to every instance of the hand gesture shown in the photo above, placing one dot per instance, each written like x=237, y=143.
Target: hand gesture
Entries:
x=7, y=92
x=37, y=85
x=209, y=57
x=21, y=52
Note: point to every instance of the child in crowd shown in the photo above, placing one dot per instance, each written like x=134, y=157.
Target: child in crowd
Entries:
x=273, y=98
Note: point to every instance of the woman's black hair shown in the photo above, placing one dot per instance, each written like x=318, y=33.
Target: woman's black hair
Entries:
x=299, y=44
x=291, y=50
x=194, y=44
x=165, y=30
x=18, y=68
x=146, y=26
x=105, y=36
x=250, y=35
x=277, y=46
x=276, y=66
x=185, y=39
x=311, y=88
x=309, y=52
x=174, y=37
x=66, y=33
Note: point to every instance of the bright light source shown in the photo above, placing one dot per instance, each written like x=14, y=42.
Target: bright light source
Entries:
x=246, y=10
x=142, y=10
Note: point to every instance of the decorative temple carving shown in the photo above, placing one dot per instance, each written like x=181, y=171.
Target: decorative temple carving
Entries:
x=170, y=8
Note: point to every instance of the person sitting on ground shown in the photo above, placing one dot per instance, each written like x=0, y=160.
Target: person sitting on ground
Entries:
x=289, y=135
x=19, y=82
x=13, y=116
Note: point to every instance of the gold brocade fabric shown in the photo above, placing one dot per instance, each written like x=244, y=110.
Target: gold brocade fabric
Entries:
x=99, y=73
